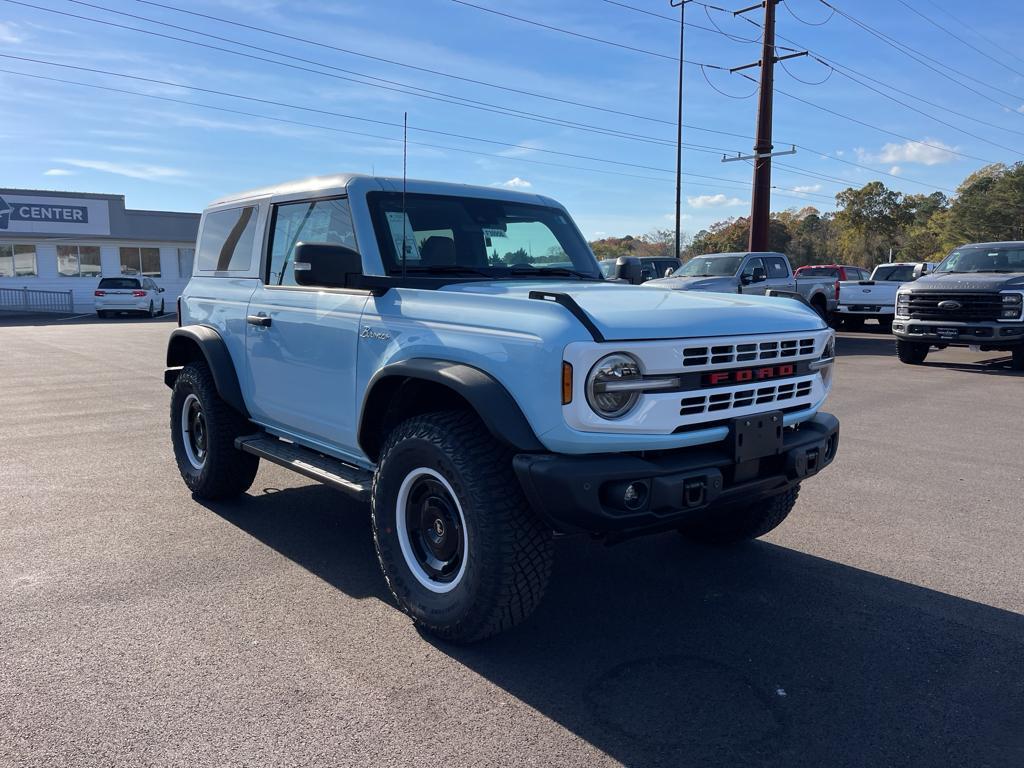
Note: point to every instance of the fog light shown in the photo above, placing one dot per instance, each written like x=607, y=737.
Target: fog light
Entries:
x=635, y=496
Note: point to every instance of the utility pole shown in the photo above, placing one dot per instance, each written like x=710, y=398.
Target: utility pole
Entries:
x=681, y=5
x=761, y=198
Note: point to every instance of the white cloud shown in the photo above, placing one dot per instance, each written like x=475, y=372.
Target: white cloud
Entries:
x=1020, y=108
x=714, y=201
x=516, y=183
x=927, y=152
x=131, y=170
x=808, y=188
x=58, y=172
x=895, y=170
x=8, y=32
x=840, y=153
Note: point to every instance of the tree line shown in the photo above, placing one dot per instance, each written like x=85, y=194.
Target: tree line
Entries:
x=867, y=223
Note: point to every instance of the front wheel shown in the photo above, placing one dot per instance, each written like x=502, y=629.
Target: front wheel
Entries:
x=731, y=526
x=885, y=324
x=461, y=550
x=203, y=432
x=911, y=352
x=162, y=308
x=1018, y=359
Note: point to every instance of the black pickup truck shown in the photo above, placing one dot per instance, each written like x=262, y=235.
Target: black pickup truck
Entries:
x=975, y=297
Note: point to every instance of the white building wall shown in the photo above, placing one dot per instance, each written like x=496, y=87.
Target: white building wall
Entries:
x=48, y=279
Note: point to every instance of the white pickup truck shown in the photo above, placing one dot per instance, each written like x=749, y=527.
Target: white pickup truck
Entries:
x=875, y=299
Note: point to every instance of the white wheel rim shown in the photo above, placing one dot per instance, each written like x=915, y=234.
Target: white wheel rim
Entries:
x=405, y=543
x=186, y=432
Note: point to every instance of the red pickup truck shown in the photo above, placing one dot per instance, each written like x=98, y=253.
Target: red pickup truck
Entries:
x=836, y=271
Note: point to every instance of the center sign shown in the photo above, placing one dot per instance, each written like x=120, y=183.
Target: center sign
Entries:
x=54, y=215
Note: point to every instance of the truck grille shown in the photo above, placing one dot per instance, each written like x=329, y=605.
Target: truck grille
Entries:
x=752, y=352
x=974, y=307
x=762, y=395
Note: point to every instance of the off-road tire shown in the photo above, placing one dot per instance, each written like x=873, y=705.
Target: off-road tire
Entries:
x=508, y=551
x=226, y=472
x=911, y=352
x=733, y=525
x=1017, y=361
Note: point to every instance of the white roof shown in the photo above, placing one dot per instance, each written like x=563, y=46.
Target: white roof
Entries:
x=339, y=182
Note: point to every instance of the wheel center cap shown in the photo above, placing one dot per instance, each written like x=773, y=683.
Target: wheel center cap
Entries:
x=438, y=527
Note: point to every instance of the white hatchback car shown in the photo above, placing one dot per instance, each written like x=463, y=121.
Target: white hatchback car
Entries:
x=128, y=294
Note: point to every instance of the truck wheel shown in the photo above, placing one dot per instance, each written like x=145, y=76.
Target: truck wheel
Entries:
x=1018, y=359
x=853, y=323
x=885, y=325
x=740, y=524
x=460, y=548
x=819, y=305
x=203, y=432
x=911, y=352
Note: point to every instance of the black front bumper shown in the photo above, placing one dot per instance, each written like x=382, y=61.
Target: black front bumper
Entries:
x=586, y=493
x=990, y=334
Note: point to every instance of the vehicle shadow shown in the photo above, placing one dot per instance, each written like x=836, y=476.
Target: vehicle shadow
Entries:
x=879, y=346
x=885, y=346
x=662, y=653
x=14, y=319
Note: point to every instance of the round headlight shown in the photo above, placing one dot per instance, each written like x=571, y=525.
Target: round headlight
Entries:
x=613, y=385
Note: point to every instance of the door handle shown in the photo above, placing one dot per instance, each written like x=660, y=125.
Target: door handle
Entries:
x=260, y=320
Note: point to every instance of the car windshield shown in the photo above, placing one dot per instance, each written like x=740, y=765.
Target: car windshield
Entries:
x=607, y=267
x=118, y=282
x=902, y=273
x=980, y=258
x=477, y=236
x=709, y=266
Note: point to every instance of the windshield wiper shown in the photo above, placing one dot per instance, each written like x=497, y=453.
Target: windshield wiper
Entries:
x=560, y=271
x=443, y=269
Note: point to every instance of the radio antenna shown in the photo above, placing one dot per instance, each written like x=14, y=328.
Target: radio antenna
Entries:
x=405, y=154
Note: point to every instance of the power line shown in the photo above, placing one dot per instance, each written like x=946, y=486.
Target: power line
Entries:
x=955, y=36
x=402, y=87
x=804, y=21
x=965, y=25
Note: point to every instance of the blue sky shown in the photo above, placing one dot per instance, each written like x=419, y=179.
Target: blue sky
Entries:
x=169, y=155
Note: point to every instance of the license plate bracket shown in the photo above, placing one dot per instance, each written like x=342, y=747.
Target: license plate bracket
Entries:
x=947, y=333
x=757, y=436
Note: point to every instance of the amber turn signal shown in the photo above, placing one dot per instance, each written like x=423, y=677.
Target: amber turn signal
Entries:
x=566, y=383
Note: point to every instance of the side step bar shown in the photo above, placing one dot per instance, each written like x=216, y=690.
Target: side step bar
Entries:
x=325, y=469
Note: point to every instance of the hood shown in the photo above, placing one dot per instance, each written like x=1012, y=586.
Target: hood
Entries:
x=980, y=281
x=693, y=283
x=631, y=312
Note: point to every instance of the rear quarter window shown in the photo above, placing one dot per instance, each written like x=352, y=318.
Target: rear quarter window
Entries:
x=226, y=242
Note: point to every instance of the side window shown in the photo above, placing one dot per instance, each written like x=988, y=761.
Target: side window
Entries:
x=226, y=242
x=751, y=265
x=312, y=221
x=777, y=268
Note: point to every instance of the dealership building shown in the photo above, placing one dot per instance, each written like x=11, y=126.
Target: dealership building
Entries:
x=65, y=241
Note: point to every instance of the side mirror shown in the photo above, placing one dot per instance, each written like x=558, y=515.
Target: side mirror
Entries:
x=326, y=265
x=646, y=274
x=628, y=269
x=160, y=290
x=920, y=269
x=759, y=275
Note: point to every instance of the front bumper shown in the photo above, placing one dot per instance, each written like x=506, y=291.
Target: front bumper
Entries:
x=993, y=335
x=866, y=310
x=584, y=493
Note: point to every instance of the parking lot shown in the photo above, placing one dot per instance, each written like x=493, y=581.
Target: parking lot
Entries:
x=881, y=625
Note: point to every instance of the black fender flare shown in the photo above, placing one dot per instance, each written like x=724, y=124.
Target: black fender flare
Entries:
x=497, y=409
x=191, y=341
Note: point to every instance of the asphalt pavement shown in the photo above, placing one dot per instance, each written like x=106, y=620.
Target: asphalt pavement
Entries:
x=881, y=625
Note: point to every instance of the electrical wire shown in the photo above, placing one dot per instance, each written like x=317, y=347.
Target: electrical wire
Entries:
x=734, y=38
x=804, y=21
x=828, y=76
x=965, y=25
x=719, y=90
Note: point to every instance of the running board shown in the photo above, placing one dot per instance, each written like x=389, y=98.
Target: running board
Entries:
x=325, y=469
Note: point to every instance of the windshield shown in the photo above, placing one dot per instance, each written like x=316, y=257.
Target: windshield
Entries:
x=902, y=273
x=709, y=266
x=607, y=267
x=492, y=238
x=118, y=282
x=978, y=258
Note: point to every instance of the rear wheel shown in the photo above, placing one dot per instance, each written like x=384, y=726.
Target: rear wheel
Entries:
x=853, y=323
x=911, y=352
x=819, y=305
x=885, y=324
x=732, y=526
x=161, y=307
x=101, y=313
x=1018, y=359
x=152, y=309
x=461, y=550
x=203, y=432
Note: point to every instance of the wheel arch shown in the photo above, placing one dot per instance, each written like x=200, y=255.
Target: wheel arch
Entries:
x=411, y=387
x=200, y=342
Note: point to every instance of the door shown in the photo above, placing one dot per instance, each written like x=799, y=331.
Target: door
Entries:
x=779, y=277
x=750, y=268
x=301, y=342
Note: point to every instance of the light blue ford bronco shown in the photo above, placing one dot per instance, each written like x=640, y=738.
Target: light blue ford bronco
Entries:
x=453, y=355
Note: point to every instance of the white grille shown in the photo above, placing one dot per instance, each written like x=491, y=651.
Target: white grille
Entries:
x=713, y=402
x=752, y=352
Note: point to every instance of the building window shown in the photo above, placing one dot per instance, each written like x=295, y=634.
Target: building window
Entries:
x=186, y=257
x=17, y=261
x=140, y=261
x=78, y=260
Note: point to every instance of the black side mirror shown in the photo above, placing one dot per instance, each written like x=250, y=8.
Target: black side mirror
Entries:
x=646, y=274
x=628, y=269
x=326, y=265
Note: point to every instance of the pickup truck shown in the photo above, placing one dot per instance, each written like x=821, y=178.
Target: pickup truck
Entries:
x=636, y=270
x=399, y=343
x=875, y=298
x=751, y=274
x=973, y=298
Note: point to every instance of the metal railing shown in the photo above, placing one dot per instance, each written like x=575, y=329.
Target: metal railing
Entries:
x=30, y=300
